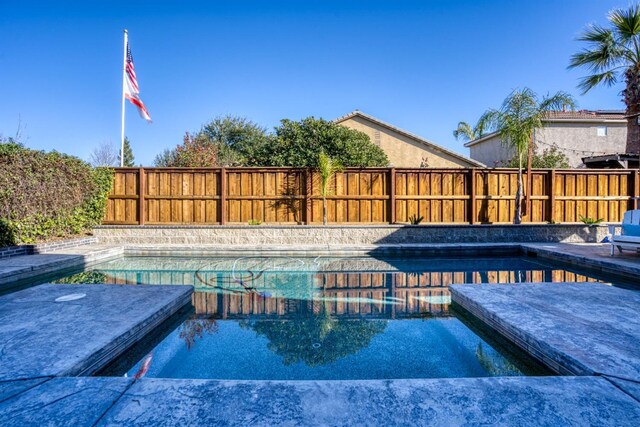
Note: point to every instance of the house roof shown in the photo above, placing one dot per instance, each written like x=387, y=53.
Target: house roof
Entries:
x=586, y=115
x=581, y=116
x=612, y=161
x=421, y=140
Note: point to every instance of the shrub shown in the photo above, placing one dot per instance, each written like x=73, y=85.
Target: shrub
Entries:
x=300, y=143
x=195, y=151
x=45, y=195
x=550, y=158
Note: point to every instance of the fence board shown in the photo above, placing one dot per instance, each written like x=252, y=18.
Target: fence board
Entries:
x=364, y=196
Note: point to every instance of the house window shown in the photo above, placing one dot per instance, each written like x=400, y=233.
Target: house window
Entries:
x=376, y=138
x=601, y=131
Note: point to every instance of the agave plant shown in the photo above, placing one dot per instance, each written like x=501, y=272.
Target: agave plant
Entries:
x=415, y=219
x=590, y=221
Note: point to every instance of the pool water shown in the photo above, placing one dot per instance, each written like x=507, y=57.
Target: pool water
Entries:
x=325, y=348
x=290, y=318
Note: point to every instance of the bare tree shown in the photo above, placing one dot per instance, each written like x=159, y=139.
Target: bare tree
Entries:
x=106, y=154
x=19, y=137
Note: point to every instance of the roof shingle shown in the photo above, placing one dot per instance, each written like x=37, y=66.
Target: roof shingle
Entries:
x=586, y=114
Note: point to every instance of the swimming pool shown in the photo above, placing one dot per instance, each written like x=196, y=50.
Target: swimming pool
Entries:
x=320, y=318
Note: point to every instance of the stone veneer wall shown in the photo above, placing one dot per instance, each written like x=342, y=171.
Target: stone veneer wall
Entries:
x=42, y=248
x=347, y=235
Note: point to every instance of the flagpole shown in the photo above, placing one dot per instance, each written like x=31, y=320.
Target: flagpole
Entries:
x=124, y=82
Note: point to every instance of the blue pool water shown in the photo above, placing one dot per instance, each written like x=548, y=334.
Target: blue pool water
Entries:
x=321, y=318
x=321, y=348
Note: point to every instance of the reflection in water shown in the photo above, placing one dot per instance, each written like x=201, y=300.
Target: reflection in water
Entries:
x=494, y=363
x=195, y=327
x=318, y=339
x=144, y=367
x=285, y=288
x=90, y=277
x=324, y=318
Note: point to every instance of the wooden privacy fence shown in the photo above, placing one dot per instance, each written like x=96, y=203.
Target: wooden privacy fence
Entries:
x=365, y=196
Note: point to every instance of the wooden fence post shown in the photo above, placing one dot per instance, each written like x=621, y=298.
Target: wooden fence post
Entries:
x=223, y=196
x=392, y=195
x=308, y=214
x=552, y=196
x=636, y=190
x=472, y=196
x=141, y=194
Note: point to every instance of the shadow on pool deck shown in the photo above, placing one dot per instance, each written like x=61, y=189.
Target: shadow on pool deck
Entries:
x=591, y=255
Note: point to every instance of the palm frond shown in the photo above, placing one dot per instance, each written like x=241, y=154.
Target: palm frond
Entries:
x=486, y=123
x=611, y=50
x=626, y=22
x=597, y=34
x=558, y=102
x=327, y=167
x=598, y=60
x=464, y=132
x=521, y=113
x=608, y=78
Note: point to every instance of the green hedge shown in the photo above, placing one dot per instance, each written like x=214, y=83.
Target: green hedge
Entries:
x=46, y=195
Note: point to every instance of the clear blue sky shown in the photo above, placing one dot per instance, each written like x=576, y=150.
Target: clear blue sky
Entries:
x=420, y=65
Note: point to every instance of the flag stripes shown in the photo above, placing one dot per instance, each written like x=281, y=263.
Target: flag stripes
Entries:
x=131, y=89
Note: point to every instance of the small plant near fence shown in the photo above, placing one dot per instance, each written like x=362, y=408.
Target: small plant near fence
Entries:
x=327, y=168
x=415, y=219
x=255, y=222
x=590, y=221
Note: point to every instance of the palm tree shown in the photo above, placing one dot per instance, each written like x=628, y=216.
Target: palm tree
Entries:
x=613, y=53
x=520, y=115
x=327, y=167
x=465, y=132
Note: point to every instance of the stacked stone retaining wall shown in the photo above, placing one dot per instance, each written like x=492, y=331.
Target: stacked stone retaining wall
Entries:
x=348, y=235
x=43, y=248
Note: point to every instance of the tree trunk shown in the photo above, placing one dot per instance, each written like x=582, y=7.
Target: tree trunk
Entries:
x=527, y=195
x=517, y=218
x=633, y=135
x=632, y=101
x=324, y=210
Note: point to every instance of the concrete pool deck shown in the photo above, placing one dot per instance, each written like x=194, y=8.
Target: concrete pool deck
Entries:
x=42, y=337
x=540, y=401
x=56, y=340
x=574, y=328
x=596, y=256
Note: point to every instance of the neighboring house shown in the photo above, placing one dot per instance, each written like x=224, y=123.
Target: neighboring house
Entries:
x=404, y=149
x=576, y=134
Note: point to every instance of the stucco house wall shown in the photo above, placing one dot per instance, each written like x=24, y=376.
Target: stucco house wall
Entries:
x=578, y=140
x=492, y=152
x=574, y=138
x=404, y=149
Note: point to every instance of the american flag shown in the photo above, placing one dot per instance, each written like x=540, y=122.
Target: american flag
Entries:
x=131, y=90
